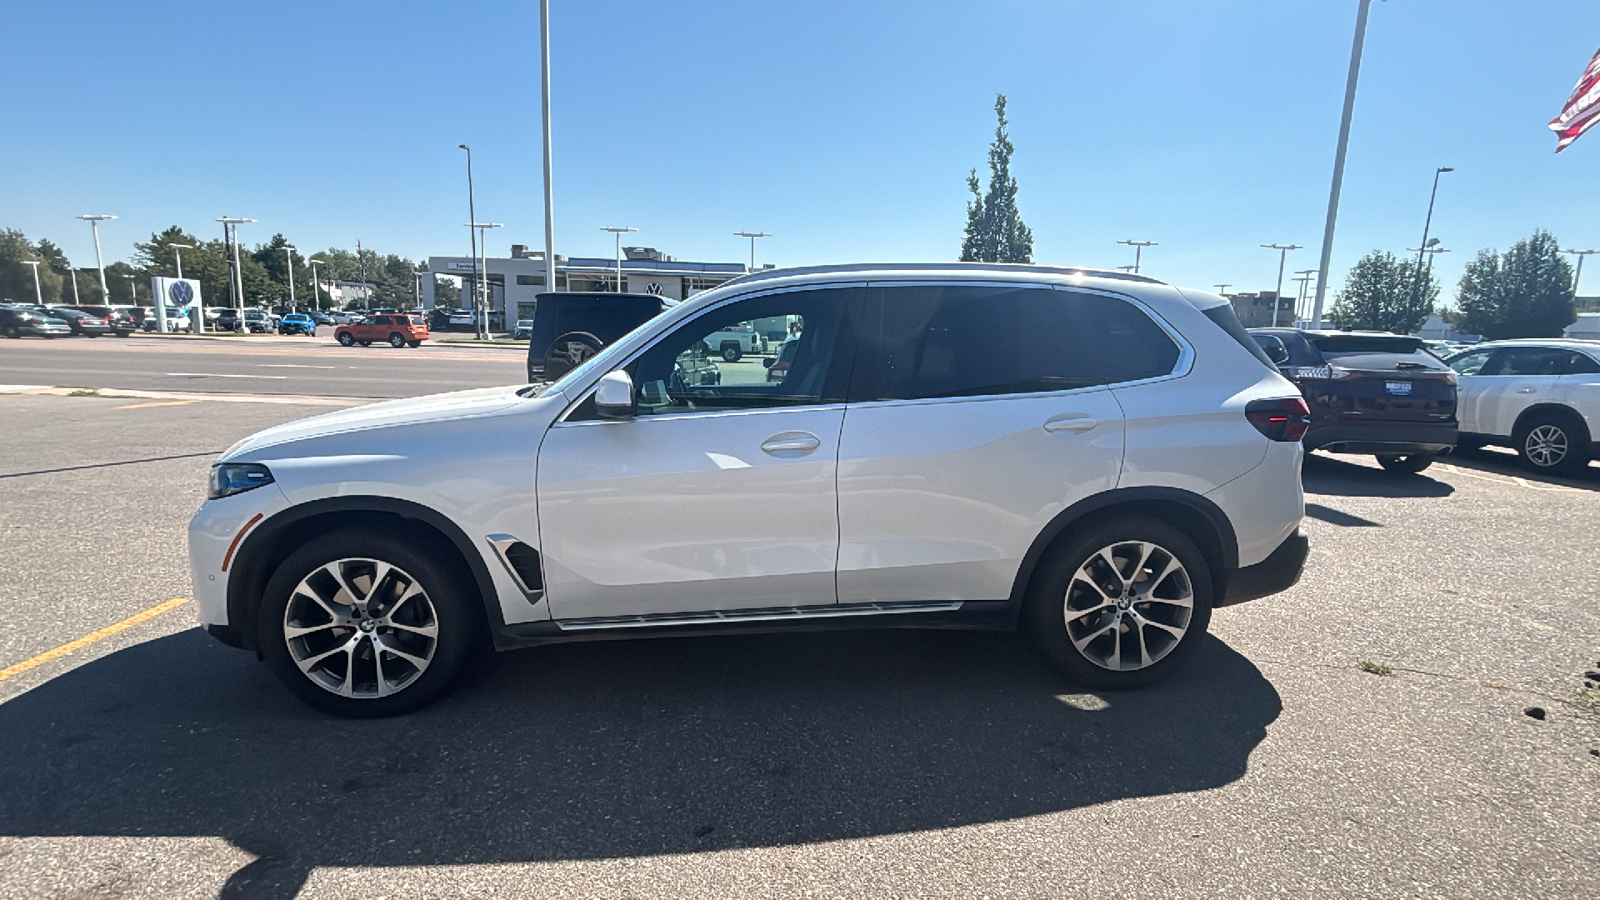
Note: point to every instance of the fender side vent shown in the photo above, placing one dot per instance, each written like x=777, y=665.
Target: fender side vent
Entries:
x=522, y=561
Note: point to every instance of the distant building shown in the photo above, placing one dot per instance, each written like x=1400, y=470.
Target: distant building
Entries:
x=514, y=282
x=1256, y=310
x=1435, y=328
x=1586, y=328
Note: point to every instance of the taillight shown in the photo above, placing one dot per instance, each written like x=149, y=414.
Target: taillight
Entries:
x=1280, y=420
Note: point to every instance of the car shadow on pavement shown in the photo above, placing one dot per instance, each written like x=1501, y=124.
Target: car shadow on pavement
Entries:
x=1335, y=476
x=610, y=750
x=1507, y=464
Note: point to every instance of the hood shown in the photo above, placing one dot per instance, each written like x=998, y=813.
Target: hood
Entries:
x=433, y=408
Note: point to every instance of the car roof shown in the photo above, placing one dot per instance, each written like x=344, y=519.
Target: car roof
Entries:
x=962, y=270
x=1560, y=343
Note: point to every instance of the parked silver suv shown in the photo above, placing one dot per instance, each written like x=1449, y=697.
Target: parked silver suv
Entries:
x=1097, y=458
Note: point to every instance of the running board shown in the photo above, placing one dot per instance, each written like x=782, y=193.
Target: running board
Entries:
x=732, y=616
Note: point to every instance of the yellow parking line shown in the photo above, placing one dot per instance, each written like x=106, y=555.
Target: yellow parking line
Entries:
x=1508, y=480
x=157, y=403
x=88, y=639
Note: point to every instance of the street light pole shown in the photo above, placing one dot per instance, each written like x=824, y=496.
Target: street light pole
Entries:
x=1138, y=249
x=482, y=312
x=1338, y=160
x=1222, y=288
x=1277, y=295
x=316, y=286
x=230, y=230
x=752, y=235
x=544, y=109
x=1576, y=276
x=177, y=255
x=619, y=232
x=94, y=225
x=72, y=272
x=1416, y=282
x=38, y=292
x=472, y=231
x=1300, y=297
x=288, y=253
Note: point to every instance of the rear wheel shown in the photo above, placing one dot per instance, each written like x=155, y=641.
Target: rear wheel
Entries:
x=397, y=340
x=362, y=625
x=1121, y=605
x=13, y=332
x=1552, y=443
x=730, y=353
x=413, y=344
x=345, y=339
x=1412, y=462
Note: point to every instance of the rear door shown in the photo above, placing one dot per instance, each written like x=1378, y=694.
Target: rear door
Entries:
x=1519, y=378
x=977, y=412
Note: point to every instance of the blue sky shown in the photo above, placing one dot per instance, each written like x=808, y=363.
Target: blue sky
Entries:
x=846, y=129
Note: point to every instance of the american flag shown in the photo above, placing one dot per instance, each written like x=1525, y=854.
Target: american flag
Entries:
x=1582, y=108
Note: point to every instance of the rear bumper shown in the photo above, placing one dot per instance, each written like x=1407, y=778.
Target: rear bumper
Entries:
x=1278, y=572
x=1383, y=437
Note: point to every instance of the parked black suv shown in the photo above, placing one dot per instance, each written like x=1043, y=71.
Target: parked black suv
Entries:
x=570, y=327
x=1369, y=392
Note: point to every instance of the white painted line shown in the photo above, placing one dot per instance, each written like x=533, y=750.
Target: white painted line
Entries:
x=219, y=375
x=294, y=366
x=122, y=393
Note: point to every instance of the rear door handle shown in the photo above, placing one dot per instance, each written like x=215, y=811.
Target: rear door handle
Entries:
x=791, y=441
x=1070, y=423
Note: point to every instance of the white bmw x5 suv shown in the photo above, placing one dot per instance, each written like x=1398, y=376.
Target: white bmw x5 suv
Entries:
x=1097, y=458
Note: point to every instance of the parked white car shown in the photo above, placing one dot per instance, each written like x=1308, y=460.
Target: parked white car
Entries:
x=1096, y=458
x=1539, y=397
x=735, y=341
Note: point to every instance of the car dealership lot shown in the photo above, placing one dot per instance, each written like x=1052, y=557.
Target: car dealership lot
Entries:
x=155, y=762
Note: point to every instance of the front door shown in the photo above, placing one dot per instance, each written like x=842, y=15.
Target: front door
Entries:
x=719, y=493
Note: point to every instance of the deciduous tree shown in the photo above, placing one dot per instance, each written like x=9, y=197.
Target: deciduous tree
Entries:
x=1527, y=292
x=1383, y=293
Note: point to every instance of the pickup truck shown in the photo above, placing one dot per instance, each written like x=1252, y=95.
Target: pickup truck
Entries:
x=735, y=341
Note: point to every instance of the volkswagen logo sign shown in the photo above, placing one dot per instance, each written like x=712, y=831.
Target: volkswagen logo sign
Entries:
x=181, y=293
x=653, y=288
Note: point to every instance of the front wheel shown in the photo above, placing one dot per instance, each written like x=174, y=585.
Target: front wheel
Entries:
x=361, y=625
x=345, y=340
x=13, y=332
x=1121, y=605
x=730, y=353
x=1553, y=444
x=1413, y=462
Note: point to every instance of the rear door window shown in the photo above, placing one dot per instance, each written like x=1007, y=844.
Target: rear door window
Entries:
x=1533, y=361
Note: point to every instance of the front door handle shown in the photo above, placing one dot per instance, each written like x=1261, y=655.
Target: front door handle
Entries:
x=1071, y=423
x=791, y=441
x=1527, y=390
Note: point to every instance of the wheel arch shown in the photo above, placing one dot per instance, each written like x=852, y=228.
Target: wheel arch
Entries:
x=1554, y=410
x=275, y=538
x=1201, y=519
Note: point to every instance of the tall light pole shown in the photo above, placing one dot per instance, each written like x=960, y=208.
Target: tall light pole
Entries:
x=230, y=230
x=72, y=272
x=1416, y=282
x=416, y=289
x=1305, y=277
x=133, y=288
x=38, y=292
x=94, y=225
x=1431, y=248
x=619, y=231
x=177, y=255
x=482, y=311
x=1222, y=288
x=316, y=286
x=1277, y=295
x=1580, y=254
x=472, y=231
x=544, y=109
x=1138, y=249
x=289, y=251
x=1338, y=159
x=752, y=235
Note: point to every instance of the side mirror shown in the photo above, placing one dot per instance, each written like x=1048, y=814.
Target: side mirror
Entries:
x=613, y=396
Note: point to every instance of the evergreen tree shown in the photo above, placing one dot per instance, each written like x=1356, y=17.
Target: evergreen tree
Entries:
x=1382, y=293
x=995, y=232
x=1525, y=293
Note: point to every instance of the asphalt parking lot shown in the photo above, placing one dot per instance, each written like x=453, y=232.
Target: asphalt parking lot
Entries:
x=146, y=760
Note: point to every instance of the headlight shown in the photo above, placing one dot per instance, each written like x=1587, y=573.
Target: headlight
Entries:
x=228, y=479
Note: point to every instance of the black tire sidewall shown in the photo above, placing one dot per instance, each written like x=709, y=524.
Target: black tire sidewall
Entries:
x=1577, y=444
x=1412, y=463
x=1042, y=612
x=397, y=340
x=454, y=606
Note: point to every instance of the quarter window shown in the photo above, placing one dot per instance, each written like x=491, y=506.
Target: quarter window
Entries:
x=932, y=341
x=1470, y=363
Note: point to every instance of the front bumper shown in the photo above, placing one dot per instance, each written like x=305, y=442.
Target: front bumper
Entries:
x=1278, y=572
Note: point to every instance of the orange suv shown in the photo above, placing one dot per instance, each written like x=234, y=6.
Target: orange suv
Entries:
x=398, y=330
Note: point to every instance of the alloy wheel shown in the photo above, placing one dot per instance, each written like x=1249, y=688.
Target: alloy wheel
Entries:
x=361, y=628
x=1545, y=446
x=1129, y=605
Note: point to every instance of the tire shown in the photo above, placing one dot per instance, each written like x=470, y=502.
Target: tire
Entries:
x=1412, y=462
x=730, y=353
x=1552, y=443
x=345, y=340
x=412, y=644
x=569, y=351
x=13, y=332
x=413, y=344
x=123, y=334
x=1103, y=614
x=397, y=340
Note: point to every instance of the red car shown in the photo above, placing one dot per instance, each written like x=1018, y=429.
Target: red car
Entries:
x=396, y=330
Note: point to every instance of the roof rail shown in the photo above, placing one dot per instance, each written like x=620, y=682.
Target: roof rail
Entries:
x=965, y=267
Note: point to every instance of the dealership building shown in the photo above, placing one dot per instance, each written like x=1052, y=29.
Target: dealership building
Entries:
x=514, y=282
